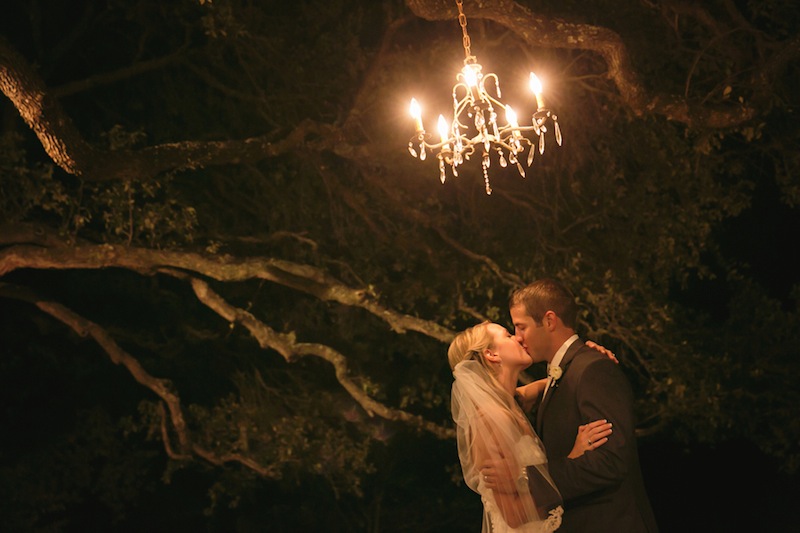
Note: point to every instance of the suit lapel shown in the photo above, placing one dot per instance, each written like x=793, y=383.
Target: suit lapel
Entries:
x=565, y=362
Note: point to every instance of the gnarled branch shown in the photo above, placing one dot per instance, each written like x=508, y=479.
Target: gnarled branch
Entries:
x=303, y=278
x=286, y=345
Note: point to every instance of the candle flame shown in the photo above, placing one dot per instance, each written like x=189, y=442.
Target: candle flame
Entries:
x=511, y=117
x=415, y=110
x=443, y=128
x=536, y=84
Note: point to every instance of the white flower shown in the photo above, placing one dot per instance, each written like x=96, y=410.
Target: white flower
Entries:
x=554, y=372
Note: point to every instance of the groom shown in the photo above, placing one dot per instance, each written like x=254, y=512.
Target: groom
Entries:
x=603, y=488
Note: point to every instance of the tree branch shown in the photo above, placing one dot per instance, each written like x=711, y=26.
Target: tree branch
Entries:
x=163, y=388
x=66, y=146
x=289, y=349
x=225, y=268
x=140, y=67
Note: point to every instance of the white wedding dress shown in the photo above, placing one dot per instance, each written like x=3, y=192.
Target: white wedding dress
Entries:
x=491, y=426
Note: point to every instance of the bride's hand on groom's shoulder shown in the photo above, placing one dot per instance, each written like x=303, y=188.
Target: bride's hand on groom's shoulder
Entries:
x=603, y=350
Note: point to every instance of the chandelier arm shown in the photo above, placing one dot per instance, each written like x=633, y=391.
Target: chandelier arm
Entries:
x=534, y=129
x=436, y=146
x=460, y=125
x=461, y=110
x=494, y=101
x=504, y=144
x=492, y=76
x=468, y=97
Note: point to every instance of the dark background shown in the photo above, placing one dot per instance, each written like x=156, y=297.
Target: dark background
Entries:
x=76, y=453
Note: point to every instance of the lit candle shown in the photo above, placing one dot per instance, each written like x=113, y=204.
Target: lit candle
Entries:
x=511, y=117
x=416, y=114
x=536, y=87
x=444, y=130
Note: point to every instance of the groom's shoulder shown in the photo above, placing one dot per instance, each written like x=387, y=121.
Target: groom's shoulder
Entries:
x=585, y=352
x=586, y=356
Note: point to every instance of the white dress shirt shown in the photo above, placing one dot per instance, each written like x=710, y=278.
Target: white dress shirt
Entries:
x=557, y=360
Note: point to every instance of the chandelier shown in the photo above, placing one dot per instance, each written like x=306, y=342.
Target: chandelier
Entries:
x=475, y=122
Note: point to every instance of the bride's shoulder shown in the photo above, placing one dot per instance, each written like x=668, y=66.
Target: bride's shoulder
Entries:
x=494, y=412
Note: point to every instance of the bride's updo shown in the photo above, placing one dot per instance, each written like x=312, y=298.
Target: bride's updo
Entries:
x=470, y=344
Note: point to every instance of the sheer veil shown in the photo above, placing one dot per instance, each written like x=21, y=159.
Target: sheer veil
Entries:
x=491, y=426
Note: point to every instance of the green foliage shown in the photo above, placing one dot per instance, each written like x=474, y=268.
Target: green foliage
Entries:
x=140, y=213
x=127, y=212
x=289, y=434
x=27, y=188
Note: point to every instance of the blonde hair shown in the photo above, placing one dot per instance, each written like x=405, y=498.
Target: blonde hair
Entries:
x=470, y=343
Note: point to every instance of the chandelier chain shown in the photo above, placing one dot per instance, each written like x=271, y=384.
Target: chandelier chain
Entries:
x=462, y=20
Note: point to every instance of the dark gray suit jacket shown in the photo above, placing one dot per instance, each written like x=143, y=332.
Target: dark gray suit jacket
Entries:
x=602, y=489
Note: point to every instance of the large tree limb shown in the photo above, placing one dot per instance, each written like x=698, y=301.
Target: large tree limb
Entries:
x=42, y=113
x=65, y=145
x=267, y=338
x=222, y=268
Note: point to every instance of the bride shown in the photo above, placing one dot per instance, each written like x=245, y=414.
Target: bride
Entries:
x=492, y=429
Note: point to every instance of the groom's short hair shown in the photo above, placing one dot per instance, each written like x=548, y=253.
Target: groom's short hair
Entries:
x=545, y=295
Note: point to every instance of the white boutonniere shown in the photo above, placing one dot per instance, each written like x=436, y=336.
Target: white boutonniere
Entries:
x=555, y=372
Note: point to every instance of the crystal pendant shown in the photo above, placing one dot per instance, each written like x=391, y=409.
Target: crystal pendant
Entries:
x=480, y=121
x=493, y=124
x=531, y=153
x=557, y=130
x=502, y=159
x=541, y=142
x=411, y=149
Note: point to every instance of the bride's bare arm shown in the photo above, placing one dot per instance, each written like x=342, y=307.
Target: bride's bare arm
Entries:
x=530, y=394
x=488, y=448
